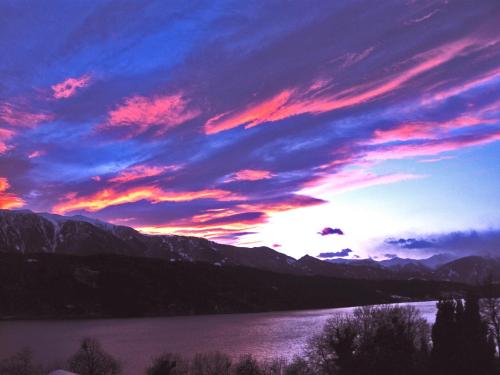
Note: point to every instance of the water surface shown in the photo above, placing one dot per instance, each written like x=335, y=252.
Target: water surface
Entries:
x=136, y=341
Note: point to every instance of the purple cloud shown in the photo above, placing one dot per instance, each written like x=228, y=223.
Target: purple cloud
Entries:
x=328, y=231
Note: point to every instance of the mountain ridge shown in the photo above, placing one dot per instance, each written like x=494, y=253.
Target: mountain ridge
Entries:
x=27, y=232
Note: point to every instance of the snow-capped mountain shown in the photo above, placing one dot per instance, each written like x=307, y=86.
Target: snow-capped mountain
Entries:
x=28, y=232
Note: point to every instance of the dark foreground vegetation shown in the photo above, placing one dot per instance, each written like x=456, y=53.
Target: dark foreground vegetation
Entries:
x=383, y=340
x=64, y=286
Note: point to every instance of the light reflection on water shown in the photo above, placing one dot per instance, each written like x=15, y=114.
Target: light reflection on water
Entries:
x=136, y=341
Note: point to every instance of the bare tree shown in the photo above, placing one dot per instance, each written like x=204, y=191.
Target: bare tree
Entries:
x=20, y=364
x=299, y=366
x=169, y=364
x=382, y=339
x=91, y=359
x=275, y=366
x=247, y=365
x=215, y=363
x=490, y=311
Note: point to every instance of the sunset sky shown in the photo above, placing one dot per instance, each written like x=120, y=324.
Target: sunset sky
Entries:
x=259, y=123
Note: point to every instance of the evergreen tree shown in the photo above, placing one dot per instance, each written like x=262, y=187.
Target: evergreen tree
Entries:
x=461, y=345
x=444, y=349
x=476, y=348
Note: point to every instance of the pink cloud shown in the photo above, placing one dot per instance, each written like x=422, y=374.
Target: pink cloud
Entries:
x=36, y=154
x=250, y=175
x=427, y=129
x=461, y=88
x=354, y=179
x=293, y=102
x=138, y=172
x=403, y=132
x=5, y=135
x=14, y=116
x=435, y=160
x=250, y=117
x=430, y=148
x=139, y=113
x=70, y=86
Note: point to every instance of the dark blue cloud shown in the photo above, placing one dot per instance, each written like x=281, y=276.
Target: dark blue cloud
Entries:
x=335, y=254
x=485, y=242
x=410, y=243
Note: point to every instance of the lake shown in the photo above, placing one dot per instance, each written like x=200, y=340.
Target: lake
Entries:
x=136, y=341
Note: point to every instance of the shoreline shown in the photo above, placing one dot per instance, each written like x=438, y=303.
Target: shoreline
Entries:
x=154, y=316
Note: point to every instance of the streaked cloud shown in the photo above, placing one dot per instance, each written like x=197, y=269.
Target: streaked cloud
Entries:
x=138, y=172
x=19, y=116
x=111, y=197
x=294, y=102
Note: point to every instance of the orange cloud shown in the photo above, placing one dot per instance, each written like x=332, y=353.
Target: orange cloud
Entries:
x=111, y=197
x=250, y=175
x=138, y=172
x=69, y=86
x=216, y=223
x=139, y=113
x=293, y=102
x=15, y=116
x=8, y=200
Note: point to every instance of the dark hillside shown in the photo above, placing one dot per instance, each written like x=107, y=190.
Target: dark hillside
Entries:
x=55, y=286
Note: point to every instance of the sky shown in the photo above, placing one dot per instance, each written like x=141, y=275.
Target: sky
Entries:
x=307, y=126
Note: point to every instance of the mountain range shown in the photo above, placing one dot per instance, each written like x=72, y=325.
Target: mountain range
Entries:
x=26, y=232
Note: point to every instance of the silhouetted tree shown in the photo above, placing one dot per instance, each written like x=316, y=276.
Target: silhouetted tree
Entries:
x=476, y=347
x=461, y=345
x=168, y=364
x=91, y=359
x=445, y=350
